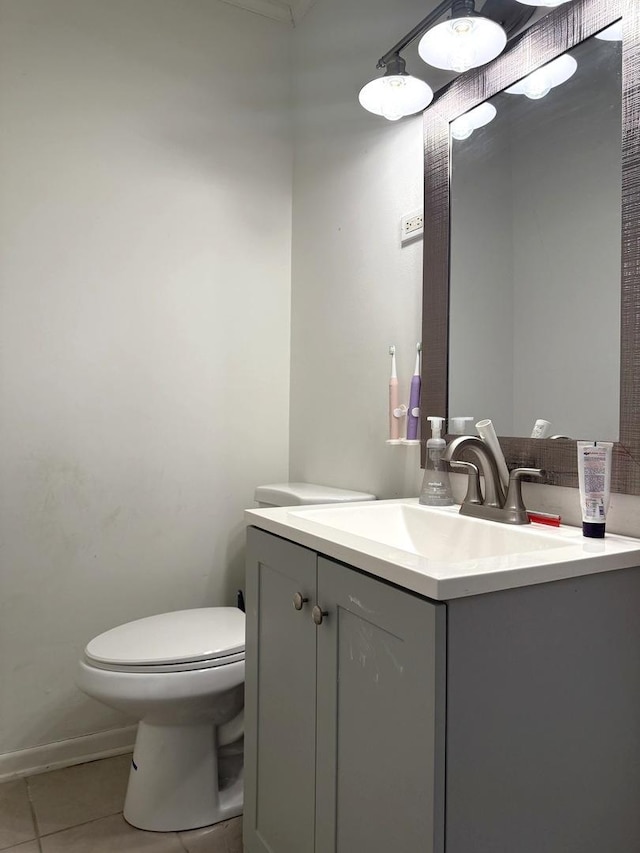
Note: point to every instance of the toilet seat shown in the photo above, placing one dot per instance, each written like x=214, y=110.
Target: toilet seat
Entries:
x=167, y=667
x=182, y=640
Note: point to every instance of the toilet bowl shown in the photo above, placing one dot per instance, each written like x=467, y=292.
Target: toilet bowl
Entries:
x=181, y=674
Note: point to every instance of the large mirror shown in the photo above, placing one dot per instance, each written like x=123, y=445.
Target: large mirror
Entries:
x=536, y=198
x=532, y=290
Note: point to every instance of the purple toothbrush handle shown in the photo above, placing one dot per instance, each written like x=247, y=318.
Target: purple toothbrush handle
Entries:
x=414, y=403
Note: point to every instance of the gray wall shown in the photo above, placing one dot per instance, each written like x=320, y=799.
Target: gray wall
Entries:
x=567, y=253
x=481, y=340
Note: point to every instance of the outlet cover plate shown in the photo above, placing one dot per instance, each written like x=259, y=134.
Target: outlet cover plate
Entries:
x=411, y=226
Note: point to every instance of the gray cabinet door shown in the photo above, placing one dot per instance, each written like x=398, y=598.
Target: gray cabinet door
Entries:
x=380, y=717
x=280, y=685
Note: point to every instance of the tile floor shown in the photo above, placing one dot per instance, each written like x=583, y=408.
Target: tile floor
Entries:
x=79, y=810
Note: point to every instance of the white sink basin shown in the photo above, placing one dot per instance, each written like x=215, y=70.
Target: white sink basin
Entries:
x=439, y=535
x=441, y=554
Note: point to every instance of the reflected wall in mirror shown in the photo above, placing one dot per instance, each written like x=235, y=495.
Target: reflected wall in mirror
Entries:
x=535, y=238
x=535, y=254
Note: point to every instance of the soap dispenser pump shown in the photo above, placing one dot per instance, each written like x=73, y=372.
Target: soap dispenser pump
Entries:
x=436, y=486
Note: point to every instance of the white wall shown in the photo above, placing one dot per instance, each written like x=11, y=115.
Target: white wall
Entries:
x=355, y=291
x=145, y=226
x=145, y=230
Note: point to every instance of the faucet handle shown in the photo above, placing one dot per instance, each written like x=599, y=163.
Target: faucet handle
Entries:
x=518, y=473
x=514, y=500
x=473, y=495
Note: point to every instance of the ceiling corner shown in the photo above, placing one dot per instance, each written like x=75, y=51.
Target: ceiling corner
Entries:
x=286, y=11
x=277, y=10
x=299, y=9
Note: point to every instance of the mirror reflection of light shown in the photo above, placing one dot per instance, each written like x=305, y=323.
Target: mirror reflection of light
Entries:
x=395, y=96
x=549, y=3
x=463, y=126
x=612, y=33
x=540, y=82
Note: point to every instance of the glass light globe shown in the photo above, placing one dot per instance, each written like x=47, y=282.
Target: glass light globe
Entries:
x=462, y=43
x=395, y=96
x=462, y=55
x=391, y=98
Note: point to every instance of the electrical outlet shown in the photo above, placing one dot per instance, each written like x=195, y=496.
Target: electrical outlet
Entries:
x=411, y=226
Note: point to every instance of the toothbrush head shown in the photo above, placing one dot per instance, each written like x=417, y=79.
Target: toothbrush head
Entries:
x=418, y=354
x=392, y=350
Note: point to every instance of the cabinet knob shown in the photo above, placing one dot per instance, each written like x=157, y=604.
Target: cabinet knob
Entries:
x=318, y=614
x=299, y=601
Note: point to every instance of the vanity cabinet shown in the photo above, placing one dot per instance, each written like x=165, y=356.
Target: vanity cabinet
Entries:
x=529, y=696
x=344, y=708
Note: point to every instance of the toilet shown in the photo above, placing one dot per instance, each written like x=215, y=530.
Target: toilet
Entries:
x=181, y=674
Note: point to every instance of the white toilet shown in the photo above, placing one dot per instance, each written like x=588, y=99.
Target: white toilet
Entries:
x=182, y=675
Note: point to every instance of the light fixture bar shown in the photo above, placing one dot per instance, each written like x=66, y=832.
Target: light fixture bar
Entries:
x=417, y=31
x=432, y=18
x=466, y=40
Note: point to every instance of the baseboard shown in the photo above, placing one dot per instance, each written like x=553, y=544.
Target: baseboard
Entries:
x=65, y=753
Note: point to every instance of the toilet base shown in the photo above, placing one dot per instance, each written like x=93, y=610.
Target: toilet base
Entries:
x=173, y=783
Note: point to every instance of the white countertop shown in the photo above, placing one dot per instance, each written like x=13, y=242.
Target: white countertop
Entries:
x=566, y=554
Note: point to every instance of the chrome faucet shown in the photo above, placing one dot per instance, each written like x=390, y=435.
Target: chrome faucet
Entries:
x=495, y=506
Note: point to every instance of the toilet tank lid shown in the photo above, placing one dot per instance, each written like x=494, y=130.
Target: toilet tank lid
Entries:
x=182, y=636
x=295, y=494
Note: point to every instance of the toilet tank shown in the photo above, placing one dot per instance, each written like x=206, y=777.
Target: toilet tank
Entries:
x=298, y=494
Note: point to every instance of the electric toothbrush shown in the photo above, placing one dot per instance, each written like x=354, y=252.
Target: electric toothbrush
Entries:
x=413, y=416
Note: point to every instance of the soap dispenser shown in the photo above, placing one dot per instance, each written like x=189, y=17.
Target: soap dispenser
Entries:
x=436, y=486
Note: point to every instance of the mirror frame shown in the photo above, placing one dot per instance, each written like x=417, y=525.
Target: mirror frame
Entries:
x=559, y=31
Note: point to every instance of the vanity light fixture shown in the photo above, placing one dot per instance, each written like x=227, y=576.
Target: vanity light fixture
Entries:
x=396, y=93
x=540, y=82
x=463, y=126
x=465, y=40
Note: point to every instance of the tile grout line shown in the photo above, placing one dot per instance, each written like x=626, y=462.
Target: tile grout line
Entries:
x=181, y=842
x=76, y=825
x=40, y=836
x=34, y=816
x=96, y=820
